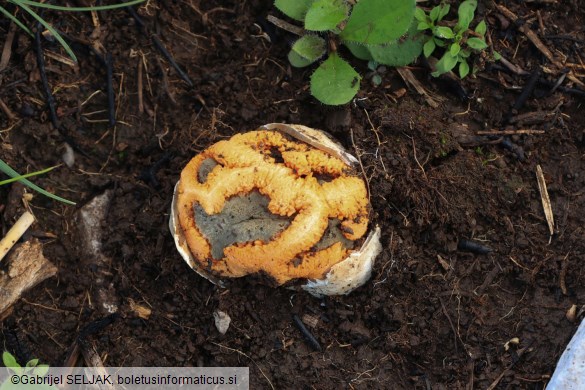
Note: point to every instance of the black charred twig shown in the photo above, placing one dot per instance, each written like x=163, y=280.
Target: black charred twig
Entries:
x=525, y=94
x=473, y=246
x=158, y=44
x=110, y=89
x=44, y=80
x=148, y=175
x=160, y=47
x=311, y=340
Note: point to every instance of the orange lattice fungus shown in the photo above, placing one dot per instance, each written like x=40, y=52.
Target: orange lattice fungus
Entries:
x=283, y=202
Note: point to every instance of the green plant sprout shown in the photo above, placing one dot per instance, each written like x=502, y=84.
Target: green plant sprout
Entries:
x=15, y=176
x=383, y=32
x=32, y=368
x=459, y=42
x=371, y=29
x=27, y=6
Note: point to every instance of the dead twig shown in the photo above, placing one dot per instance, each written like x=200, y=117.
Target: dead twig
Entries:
x=14, y=234
x=291, y=28
x=548, y=213
x=510, y=132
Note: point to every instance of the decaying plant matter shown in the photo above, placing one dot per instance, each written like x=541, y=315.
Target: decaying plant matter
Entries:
x=263, y=202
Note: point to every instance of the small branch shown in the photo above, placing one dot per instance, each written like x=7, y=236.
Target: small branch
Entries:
x=545, y=200
x=15, y=233
x=286, y=26
x=510, y=132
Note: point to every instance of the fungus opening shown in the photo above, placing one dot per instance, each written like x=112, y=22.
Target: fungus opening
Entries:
x=244, y=218
x=332, y=235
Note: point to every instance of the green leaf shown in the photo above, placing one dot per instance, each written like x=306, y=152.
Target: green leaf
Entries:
x=439, y=42
x=9, y=360
x=325, y=15
x=420, y=15
x=463, y=69
x=12, y=173
x=297, y=61
x=423, y=26
x=429, y=48
x=445, y=64
x=41, y=369
x=310, y=47
x=20, y=177
x=476, y=43
x=376, y=79
x=435, y=13
x=443, y=32
x=497, y=56
x=466, y=12
x=454, y=49
x=335, y=81
x=359, y=51
x=32, y=363
x=481, y=28
x=376, y=22
x=16, y=21
x=295, y=9
x=401, y=52
x=444, y=11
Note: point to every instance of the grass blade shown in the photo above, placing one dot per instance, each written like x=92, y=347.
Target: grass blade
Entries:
x=15, y=20
x=20, y=177
x=54, y=32
x=76, y=9
x=12, y=173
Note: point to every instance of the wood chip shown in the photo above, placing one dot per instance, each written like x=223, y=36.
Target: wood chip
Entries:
x=27, y=267
x=545, y=200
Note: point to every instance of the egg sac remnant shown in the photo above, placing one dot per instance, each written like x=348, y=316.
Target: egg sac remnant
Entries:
x=262, y=202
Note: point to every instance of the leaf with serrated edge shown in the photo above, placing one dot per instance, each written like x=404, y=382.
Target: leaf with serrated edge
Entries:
x=296, y=9
x=402, y=51
x=375, y=22
x=310, y=47
x=335, y=82
x=325, y=15
x=359, y=51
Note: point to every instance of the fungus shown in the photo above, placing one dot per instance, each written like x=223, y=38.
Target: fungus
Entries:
x=266, y=203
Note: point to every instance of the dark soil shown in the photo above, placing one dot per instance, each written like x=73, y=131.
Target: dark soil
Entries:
x=433, y=315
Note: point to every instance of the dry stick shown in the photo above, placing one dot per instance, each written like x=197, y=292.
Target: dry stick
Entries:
x=533, y=37
x=14, y=234
x=11, y=116
x=7, y=50
x=545, y=200
x=286, y=26
x=510, y=132
x=411, y=81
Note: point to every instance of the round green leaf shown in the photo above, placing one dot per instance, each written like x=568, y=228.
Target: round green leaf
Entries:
x=445, y=64
x=481, y=28
x=429, y=48
x=310, y=47
x=325, y=15
x=463, y=69
x=295, y=9
x=466, y=11
x=454, y=49
x=476, y=43
x=443, y=32
x=297, y=61
x=359, y=51
x=420, y=15
x=335, y=81
x=375, y=22
x=402, y=51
